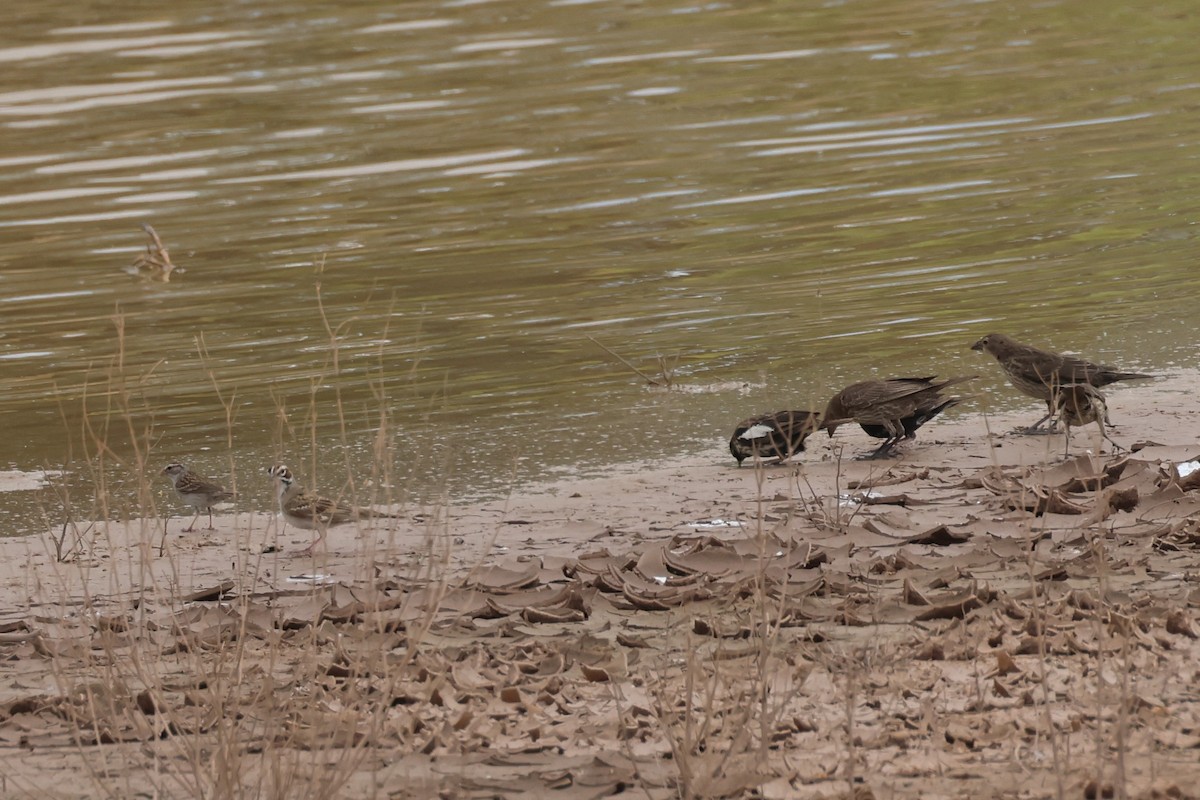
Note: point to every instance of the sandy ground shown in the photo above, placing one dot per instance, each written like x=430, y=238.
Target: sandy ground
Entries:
x=978, y=617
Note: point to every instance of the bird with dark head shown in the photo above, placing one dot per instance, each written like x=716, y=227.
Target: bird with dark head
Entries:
x=773, y=437
x=889, y=409
x=1080, y=404
x=1038, y=373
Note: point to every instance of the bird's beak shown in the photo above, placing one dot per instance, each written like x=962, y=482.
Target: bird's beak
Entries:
x=978, y=345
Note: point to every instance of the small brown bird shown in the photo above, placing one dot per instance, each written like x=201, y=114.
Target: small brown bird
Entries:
x=196, y=491
x=310, y=511
x=772, y=437
x=1079, y=404
x=885, y=405
x=1037, y=372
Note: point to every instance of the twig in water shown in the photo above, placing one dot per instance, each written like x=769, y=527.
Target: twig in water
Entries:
x=666, y=376
x=156, y=260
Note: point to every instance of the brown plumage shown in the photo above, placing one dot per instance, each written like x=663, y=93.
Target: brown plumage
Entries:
x=310, y=511
x=196, y=491
x=772, y=437
x=1038, y=372
x=1079, y=404
x=887, y=404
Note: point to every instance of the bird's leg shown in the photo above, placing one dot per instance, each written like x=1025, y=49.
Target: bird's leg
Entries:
x=192, y=525
x=1101, y=420
x=308, y=551
x=895, y=433
x=1037, y=426
x=881, y=451
x=211, y=527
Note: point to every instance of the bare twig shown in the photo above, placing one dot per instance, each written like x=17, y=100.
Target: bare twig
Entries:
x=664, y=381
x=156, y=260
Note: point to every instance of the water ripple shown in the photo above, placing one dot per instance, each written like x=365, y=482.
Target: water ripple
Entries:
x=380, y=168
x=53, y=50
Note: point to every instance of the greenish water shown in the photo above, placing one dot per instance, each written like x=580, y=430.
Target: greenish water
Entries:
x=786, y=196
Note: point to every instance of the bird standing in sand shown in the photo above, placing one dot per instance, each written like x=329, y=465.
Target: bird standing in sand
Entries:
x=310, y=511
x=772, y=437
x=1038, y=373
x=884, y=405
x=196, y=491
x=1079, y=404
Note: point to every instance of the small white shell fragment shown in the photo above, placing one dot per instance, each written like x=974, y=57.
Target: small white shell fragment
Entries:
x=316, y=577
x=857, y=498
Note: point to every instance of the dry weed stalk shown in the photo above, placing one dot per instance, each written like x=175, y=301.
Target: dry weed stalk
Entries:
x=1039, y=620
x=236, y=734
x=719, y=714
x=666, y=367
x=817, y=507
x=156, y=261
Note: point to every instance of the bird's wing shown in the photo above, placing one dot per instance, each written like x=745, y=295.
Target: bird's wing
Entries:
x=191, y=483
x=1077, y=370
x=896, y=388
x=1047, y=365
x=331, y=511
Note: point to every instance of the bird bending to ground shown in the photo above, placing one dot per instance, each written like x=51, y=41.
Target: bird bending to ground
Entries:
x=196, y=491
x=881, y=407
x=1079, y=404
x=1038, y=372
x=310, y=511
x=772, y=437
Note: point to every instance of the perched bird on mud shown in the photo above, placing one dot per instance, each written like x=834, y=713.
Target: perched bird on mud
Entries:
x=196, y=491
x=1038, y=372
x=310, y=511
x=772, y=437
x=886, y=405
x=1079, y=404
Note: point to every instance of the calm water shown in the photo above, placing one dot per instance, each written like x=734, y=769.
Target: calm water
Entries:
x=781, y=198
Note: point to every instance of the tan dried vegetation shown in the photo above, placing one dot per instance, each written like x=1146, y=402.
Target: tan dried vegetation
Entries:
x=950, y=625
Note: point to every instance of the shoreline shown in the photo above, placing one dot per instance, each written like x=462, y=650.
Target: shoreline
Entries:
x=896, y=581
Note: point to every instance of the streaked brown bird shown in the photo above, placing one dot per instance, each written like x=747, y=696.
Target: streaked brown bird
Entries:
x=1079, y=404
x=310, y=511
x=196, y=491
x=773, y=437
x=1038, y=372
x=885, y=405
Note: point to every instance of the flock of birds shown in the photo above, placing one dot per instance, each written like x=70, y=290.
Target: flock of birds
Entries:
x=297, y=505
x=891, y=410
x=895, y=408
